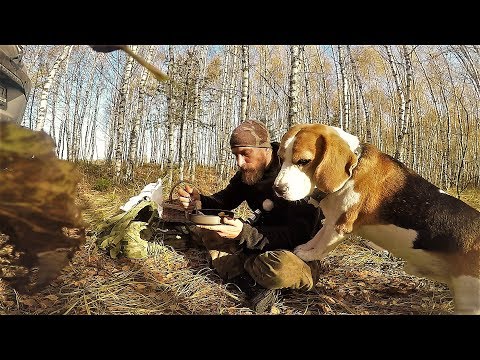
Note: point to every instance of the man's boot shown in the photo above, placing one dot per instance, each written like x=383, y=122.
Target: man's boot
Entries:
x=258, y=298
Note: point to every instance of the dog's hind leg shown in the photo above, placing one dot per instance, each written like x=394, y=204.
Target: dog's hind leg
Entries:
x=466, y=294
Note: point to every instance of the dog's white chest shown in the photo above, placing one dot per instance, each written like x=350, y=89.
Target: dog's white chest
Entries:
x=335, y=204
x=399, y=242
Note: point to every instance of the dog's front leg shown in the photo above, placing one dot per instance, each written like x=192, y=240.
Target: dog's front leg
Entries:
x=324, y=241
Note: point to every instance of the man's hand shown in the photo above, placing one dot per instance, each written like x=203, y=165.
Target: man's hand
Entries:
x=230, y=230
x=189, y=197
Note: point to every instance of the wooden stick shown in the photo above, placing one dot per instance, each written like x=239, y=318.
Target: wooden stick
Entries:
x=159, y=75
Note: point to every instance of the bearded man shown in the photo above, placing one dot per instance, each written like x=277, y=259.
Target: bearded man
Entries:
x=257, y=253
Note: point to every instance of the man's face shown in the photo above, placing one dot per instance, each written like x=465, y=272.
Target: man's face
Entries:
x=252, y=163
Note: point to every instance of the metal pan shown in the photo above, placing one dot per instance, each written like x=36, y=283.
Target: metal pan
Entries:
x=210, y=216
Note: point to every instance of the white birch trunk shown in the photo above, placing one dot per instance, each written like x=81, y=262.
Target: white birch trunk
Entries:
x=133, y=144
x=222, y=117
x=266, y=101
x=93, y=127
x=463, y=55
x=401, y=111
x=183, y=123
x=306, y=73
x=346, y=100
x=43, y=107
x=52, y=131
x=368, y=125
x=245, y=85
x=66, y=133
x=445, y=151
x=199, y=84
x=229, y=109
x=293, y=87
x=170, y=112
x=112, y=128
x=78, y=131
x=407, y=53
x=121, y=116
x=339, y=97
x=326, y=120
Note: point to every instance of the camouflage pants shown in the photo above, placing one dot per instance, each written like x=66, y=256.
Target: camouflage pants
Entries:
x=275, y=269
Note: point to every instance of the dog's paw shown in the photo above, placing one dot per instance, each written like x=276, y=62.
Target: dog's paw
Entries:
x=307, y=255
x=303, y=247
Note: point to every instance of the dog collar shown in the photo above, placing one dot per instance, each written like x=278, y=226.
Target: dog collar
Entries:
x=316, y=197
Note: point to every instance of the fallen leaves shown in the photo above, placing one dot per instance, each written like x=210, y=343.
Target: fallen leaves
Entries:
x=138, y=286
x=52, y=297
x=8, y=303
x=275, y=310
x=28, y=302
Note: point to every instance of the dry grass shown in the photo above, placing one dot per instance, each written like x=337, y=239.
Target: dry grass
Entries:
x=356, y=279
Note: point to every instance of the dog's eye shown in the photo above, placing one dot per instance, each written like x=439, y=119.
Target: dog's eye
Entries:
x=303, y=162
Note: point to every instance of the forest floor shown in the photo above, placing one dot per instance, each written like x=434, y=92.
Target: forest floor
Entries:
x=356, y=279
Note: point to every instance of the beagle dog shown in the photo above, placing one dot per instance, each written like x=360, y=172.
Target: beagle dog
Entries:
x=370, y=194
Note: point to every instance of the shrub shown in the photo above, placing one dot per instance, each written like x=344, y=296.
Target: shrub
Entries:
x=102, y=184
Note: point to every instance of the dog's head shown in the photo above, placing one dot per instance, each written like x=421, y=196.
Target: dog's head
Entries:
x=314, y=155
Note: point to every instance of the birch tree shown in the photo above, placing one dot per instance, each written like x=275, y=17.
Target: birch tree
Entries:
x=132, y=148
x=232, y=113
x=339, y=92
x=43, y=107
x=345, y=93
x=170, y=112
x=79, y=119
x=93, y=131
x=181, y=157
x=324, y=89
x=112, y=126
x=33, y=59
x=199, y=84
x=401, y=111
x=222, y=118
x=442, y=101
x=368, y=126
x=306, y=73
x=293, y=88
x=121, y=115
x=64, y=133
x=264, y=86
x=472, y=67
x=245, y=85
x=407, y=54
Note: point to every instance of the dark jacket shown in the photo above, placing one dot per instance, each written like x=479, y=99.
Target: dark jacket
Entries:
x=288, y=224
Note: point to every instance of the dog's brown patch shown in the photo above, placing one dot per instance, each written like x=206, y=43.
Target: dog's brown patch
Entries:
x=333, y=160
x=376, y=179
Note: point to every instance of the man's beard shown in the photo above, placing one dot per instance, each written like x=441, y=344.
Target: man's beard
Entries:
x=251, y=177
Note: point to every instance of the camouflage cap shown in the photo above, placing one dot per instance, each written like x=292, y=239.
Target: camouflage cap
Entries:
x=250, y=133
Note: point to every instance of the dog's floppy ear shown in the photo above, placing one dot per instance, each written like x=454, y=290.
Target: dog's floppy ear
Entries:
x=335, y=163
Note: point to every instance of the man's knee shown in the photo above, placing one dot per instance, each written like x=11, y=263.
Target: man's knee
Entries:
x=227, y=266
x=280, y=269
